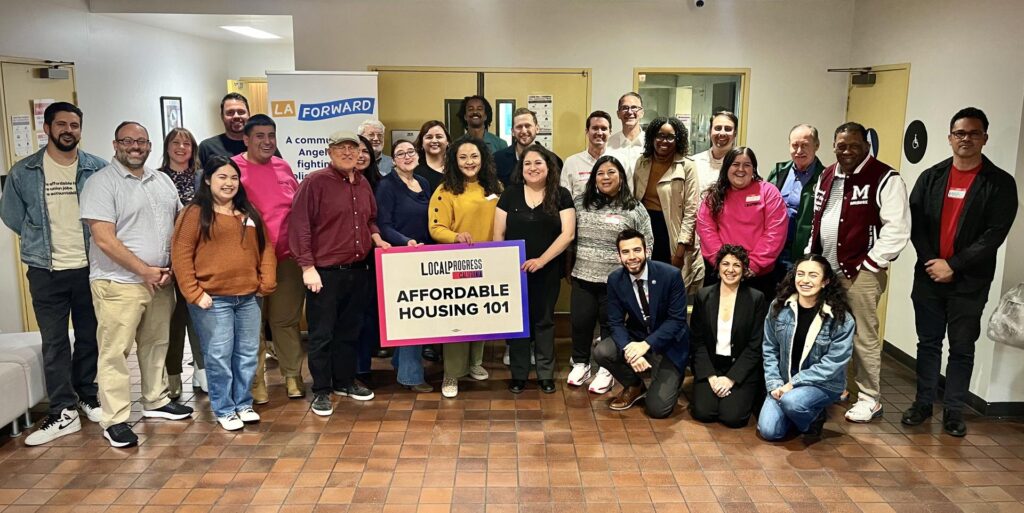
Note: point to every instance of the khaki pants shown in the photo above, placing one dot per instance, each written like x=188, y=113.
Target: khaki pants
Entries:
x=863, y=294
x=283, y=311
x=458, y=356
x=127, y=314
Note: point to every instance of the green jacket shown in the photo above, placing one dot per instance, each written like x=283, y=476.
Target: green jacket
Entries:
x=797, y=239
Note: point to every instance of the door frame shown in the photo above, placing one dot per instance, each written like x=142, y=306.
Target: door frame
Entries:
x=744, y=95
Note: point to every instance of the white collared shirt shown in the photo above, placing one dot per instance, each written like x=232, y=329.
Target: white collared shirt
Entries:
x=628, y=152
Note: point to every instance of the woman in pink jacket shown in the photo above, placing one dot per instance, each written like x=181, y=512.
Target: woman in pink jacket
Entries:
x=742, y=209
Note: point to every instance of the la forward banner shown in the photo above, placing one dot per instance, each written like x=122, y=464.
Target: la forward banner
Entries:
x=309, y=106
x=452, y=293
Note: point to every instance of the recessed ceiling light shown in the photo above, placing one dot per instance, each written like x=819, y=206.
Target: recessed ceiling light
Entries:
x=254, y=33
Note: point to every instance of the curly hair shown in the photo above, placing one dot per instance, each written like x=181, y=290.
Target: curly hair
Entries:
x=455, y=182
x=551, y=182
x=832, y=293
x=737, y=251
x=716, y=193
x=488, y=112
x=682, y=136
x=593, y=198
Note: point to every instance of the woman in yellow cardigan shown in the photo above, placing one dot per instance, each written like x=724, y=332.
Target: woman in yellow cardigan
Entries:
x=462, y=211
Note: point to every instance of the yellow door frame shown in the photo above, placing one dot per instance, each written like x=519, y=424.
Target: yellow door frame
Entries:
x=744, y=88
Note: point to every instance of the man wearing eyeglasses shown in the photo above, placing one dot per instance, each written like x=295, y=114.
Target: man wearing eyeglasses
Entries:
x=271, y=185
x=628, y=144
x=373, y=131
x=331, y=231
x=524, y=133
x=861, y=223
x=962, y=209
x=130, y=209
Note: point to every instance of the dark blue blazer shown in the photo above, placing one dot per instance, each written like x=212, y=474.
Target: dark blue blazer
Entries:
x=669, y=334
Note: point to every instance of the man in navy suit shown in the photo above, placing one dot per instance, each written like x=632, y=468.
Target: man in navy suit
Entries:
x=647, y=316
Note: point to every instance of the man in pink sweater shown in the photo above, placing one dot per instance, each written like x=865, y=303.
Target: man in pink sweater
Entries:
x=270, y=184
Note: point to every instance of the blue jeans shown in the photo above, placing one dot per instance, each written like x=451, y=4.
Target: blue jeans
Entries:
x=797, y=409
x=229, y=333
x=408, y=361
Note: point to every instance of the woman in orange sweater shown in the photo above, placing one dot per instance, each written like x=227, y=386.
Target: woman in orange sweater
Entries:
x=223, y=261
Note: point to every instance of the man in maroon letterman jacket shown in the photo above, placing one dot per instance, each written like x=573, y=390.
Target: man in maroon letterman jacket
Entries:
x=962, y=209
x=861, y=222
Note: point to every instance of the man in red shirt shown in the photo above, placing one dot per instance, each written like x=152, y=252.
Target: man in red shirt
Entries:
x=961, y=211
x=332, y=229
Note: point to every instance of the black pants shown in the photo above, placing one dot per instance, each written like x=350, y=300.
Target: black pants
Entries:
x=369, y=335
x=69, y=374
x=935, y=312
x=335, y=318
x=589, y=305
x=662, y=251
x=665, y=377
x=542, y=287
x=733, y=410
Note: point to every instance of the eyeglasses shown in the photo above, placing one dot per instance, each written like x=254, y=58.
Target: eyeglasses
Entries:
x=630, y=108
x=405, y=154
x=345, y=150
x=128, y=141
x=962, y=134
x=665, y=137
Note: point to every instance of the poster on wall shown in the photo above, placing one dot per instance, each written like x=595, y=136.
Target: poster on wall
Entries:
x=544, y=106
x=39, y=110
x=309, y=106
x=22, y=132
x=452, y=293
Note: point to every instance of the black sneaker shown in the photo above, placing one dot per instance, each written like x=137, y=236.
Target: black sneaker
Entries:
x=121, y=435
x=516, y=386
x=430, y=355
x=953, y=423
x=916, y=414
x=547, y=386
x=366, y=378
x=355, y=391
x=322, y=404
x=170, y=411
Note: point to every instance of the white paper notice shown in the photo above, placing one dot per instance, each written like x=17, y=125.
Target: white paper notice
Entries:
x=39, y=109
x=22, y=129
x=41, y=140
x=543, y=105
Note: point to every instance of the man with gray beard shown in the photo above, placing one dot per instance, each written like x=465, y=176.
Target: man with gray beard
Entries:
x=131, y=209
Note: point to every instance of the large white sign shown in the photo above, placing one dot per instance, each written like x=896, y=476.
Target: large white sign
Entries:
x=309, y=106
x=452, y=293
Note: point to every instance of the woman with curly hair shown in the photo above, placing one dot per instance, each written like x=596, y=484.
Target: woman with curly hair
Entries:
x=536, y=209
x=462, y=211
x=808, y=341
x=665, y=182
x=726, y=329
x=742, y=209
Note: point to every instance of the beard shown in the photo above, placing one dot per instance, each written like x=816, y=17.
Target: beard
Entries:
x=131, y=161
x=61, y=146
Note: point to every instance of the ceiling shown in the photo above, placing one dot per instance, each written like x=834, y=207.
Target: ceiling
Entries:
x=208, y=25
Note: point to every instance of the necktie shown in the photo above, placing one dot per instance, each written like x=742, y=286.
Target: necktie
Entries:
x=644, y=305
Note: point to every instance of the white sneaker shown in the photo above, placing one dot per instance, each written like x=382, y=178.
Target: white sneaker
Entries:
x=865, y=410
x=54, y=427
x=449, y=387
x=199, y=376
x=603, y=381
x=478, y=372
x=579, y=374
x=248, y=416
x=91, y=408
x=505, y=359
x=231, y=422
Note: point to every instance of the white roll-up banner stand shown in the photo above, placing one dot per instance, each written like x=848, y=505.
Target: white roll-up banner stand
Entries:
x=308, y=106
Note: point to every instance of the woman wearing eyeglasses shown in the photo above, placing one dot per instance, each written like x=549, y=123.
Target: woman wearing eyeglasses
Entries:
x=665, y=182
x=402, y=201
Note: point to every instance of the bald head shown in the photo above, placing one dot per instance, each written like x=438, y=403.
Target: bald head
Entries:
x=803, y=145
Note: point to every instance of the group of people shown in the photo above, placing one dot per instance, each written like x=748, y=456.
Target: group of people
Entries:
x=783, y=274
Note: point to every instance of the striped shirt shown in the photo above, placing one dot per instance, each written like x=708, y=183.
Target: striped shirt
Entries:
x=596, y=231
x=830, y=218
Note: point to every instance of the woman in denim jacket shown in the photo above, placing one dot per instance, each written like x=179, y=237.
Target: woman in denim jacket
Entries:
x=808, y=341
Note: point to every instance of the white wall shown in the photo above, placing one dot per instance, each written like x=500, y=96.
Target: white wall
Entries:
x=250, y=60
x=122, y=70
x=961, y=54
x=789, y=83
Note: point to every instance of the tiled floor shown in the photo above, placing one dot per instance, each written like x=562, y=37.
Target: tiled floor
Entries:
x=488, y=451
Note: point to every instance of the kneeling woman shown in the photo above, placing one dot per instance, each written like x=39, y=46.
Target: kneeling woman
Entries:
x=223, y=260
x=808, y=340
x=727, y=324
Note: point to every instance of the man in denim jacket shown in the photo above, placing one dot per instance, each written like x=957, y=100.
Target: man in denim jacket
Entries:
x=40, y=204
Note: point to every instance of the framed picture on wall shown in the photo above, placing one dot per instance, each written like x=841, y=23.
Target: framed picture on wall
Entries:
x=170, y=113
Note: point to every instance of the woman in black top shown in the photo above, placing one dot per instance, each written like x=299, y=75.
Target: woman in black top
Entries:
x=369, y=334
x=727, y=324
x=537, y=210
x=432, y=144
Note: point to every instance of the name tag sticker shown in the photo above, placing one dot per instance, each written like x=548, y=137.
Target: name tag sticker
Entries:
x=248, y=222
x=492, y=197
x=957, y=193
x=613, y=219
x=754, y=198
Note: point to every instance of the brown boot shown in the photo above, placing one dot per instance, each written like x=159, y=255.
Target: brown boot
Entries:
x=628, y=397
x=259, y=390
x=296, y=389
